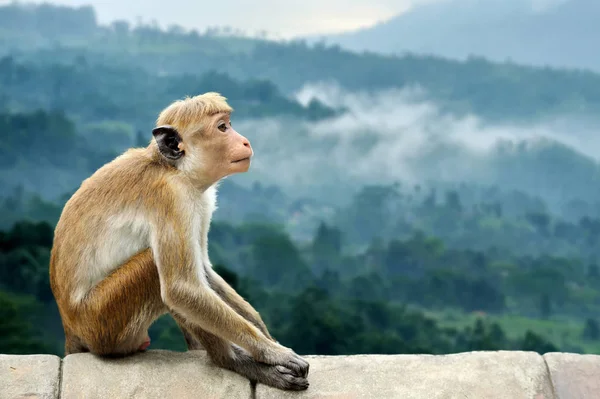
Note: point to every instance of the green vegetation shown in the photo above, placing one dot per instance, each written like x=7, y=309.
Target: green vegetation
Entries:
x=375, y=295
x=471, y=216
x=331, y=311
x=91, y=93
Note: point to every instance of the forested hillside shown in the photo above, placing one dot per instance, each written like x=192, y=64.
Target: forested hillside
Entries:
x=407, y=296
x=49, y=35
x=395, y=204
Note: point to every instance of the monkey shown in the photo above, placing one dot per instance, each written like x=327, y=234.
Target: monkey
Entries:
x=131, y=245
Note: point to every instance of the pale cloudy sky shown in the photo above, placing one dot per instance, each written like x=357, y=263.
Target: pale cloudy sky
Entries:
x=283, y=18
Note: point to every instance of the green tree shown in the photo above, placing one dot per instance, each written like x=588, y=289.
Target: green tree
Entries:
x=277, y=262
x=545, y=306
x=536, y=343
x=17, y=335
x=326, y=247
x=591, y=330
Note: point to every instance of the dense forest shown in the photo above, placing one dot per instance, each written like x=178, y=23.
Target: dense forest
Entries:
x=400, y=297
x=338, y=258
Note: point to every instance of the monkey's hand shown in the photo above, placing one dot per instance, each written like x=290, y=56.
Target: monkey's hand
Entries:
x=278, y=355
x=276, y=376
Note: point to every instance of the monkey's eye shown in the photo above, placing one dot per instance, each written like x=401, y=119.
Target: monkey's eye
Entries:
x=222, y=127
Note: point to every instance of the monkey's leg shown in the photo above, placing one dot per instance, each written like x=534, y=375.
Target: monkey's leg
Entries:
x=234, y=358
x=233, y=299
x=115, y=317
x=73, y=343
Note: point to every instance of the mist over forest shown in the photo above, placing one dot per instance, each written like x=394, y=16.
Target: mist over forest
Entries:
x=387, y=194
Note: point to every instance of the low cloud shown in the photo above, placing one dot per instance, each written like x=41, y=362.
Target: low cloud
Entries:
x=398, y=135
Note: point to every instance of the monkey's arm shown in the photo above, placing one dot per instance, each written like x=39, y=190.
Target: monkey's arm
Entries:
x=233, y=299
x=184, y=291
x=236, y=359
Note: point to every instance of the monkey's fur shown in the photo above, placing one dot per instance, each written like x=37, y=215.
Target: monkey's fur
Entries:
x=131, y=245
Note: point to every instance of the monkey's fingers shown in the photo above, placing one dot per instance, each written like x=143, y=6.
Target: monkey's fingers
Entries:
x=273, y=375
x=284, y=370
x=297, y=365
x=279, y=355
x=284, y=378
x=294, y=383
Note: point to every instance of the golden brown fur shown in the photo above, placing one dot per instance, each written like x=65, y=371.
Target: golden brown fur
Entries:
x=131, y=245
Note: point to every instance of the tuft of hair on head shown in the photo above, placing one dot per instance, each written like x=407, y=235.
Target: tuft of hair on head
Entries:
x=181, y=114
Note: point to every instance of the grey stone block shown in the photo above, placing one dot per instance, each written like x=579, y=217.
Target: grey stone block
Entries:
x=154, y=374
x=476, y=375
x=29, y=376
x=574, y=376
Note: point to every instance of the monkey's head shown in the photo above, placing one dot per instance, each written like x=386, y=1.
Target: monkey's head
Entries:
x=196, y=136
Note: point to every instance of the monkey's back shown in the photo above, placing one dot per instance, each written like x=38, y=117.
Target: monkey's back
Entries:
x=103, y=224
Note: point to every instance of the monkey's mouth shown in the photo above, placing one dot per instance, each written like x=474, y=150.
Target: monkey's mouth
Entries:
x=241, y=160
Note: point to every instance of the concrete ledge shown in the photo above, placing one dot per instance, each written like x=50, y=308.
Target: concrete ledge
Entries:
x=152, y=375
x=464, y=375
x=574, y=376
x=164, y=375
x=29, y=376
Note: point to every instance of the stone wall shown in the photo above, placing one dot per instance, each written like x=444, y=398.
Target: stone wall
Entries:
x=164, y=375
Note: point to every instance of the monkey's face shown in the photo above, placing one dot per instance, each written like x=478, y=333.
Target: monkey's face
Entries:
x=209, y=152
x=217, y=150
x=228, y=151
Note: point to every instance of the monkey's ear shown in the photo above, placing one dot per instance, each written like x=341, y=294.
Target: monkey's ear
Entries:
x=168, y=140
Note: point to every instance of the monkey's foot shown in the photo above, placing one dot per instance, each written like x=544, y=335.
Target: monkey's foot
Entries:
x=145, y=344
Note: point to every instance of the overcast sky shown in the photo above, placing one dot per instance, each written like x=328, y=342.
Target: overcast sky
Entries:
x=283, y=18
x=279, y=18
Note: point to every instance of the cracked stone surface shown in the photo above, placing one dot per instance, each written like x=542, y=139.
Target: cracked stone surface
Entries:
x=574, y=376
x=153, y=374
x=29, y=376
x=476, y=375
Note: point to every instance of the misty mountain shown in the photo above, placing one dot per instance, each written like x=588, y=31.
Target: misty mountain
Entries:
x=323, y=121
x=565, y=33
x=490, y=90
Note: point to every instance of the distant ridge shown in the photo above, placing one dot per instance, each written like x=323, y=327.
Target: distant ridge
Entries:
x=563, y=35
